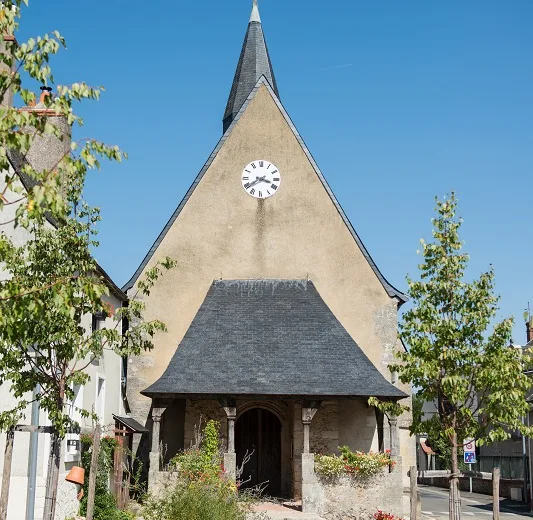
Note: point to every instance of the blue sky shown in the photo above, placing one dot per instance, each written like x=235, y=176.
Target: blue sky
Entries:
x=397, y=101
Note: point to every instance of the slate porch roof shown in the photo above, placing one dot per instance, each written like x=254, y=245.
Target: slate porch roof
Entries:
x=269, y=338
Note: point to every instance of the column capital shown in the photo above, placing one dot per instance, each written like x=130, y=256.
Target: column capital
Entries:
x=309, y=409
x=230, y=407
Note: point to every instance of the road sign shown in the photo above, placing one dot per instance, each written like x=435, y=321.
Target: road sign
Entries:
x=470, y=457
x=469, y=449
x=470, y=445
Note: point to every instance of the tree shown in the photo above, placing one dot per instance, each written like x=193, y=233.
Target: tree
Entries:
x=473, y=374
x=51, y=282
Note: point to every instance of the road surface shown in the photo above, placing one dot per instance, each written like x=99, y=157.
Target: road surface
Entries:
x=473, y=506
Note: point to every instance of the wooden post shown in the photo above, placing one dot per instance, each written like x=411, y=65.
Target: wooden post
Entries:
x=93, y=473
x=52, y=479
x=414, y=492
x=496, y=493
x=6, y=475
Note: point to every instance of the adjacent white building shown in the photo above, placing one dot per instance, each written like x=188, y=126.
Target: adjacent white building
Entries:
x=105, y=392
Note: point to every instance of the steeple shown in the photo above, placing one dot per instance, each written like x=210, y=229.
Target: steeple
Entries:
x=254, y=62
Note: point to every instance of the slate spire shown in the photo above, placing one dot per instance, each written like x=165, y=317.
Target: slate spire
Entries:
x=254, y=62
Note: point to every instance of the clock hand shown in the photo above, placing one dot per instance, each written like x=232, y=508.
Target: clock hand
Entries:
x=257, y=181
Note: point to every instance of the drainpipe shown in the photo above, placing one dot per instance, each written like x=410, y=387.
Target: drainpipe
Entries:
x=32, y=462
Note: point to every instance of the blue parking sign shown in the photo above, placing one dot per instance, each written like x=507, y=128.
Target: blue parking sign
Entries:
x=470, y=457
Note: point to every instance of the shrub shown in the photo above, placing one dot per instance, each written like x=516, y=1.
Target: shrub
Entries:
x=365, y=464
x=203, y=491
x=352, y=463
x=329, y=466
x=203, y=463
x=194, y=502
x=105, y=505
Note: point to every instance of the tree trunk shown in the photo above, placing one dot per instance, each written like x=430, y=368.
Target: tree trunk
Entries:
x=6, y=475
x=52, y=478
x=455, y=499
x=496, y=493
x=93, y=473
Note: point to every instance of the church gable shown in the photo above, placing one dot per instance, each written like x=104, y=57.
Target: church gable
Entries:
x=221, y=232
x=263, y=127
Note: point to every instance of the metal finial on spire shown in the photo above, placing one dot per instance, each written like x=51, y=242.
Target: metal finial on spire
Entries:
x=255, y=13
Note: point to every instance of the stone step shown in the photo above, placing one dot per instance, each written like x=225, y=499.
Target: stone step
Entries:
x=278, y=512
x=282, y=515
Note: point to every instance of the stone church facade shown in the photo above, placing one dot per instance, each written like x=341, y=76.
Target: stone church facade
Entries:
x=280, y=325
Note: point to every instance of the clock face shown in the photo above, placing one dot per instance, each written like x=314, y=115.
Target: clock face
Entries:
x=261, y=179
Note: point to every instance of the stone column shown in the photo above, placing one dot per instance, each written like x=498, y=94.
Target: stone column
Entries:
x=312, y=495
x=230, y=457
x=158, y=409
x=309, y=409
x=394, y=431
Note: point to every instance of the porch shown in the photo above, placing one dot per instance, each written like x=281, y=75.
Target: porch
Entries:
x=272, y=364
x=278, y=438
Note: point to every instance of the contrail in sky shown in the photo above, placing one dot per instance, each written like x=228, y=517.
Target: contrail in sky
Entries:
x=337, y=66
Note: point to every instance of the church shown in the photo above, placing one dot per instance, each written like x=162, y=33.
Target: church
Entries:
x=280, y=324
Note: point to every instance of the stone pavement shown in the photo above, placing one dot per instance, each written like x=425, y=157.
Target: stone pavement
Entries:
x=273, y=511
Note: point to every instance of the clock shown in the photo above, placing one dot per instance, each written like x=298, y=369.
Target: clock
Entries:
x=261, y=179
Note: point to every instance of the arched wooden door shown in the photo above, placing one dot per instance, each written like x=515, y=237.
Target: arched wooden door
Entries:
x=259, y=431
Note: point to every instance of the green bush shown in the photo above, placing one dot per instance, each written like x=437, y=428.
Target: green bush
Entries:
x=105, y=505
x=204, y=463
x=194, y=502
x=203, y=491
x=329, y=466
x=354, y=463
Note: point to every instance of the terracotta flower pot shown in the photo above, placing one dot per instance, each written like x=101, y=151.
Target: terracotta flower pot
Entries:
x=76, y=475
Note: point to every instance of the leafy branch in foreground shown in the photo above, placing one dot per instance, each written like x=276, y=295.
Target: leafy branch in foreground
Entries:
x=472, y=374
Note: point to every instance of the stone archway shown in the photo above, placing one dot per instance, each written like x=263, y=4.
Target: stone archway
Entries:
x=258, y=430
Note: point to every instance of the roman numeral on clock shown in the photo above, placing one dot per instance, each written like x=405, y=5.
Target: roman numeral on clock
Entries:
x=245, y=178
x=252, y=191
x=260, y=194
x=261, y=164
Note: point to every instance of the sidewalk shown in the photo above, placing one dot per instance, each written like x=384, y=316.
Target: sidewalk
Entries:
x=273, y=511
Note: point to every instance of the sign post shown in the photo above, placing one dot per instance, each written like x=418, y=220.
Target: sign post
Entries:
x=469, y=454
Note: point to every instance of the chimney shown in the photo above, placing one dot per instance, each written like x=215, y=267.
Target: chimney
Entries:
x=45, y=92
x=47, y=150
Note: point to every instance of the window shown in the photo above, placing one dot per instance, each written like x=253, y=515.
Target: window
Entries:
x=100, y=399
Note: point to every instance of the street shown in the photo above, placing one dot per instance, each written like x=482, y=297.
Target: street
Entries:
x=474, y=506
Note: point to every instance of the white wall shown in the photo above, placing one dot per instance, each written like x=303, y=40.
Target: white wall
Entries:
x=109, y=367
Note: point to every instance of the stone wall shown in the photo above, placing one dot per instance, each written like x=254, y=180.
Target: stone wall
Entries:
x=197, y=413
x=350, y=498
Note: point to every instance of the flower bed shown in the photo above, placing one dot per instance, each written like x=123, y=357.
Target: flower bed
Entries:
x=333, y=487
x=352, y=463
x=381, y=515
